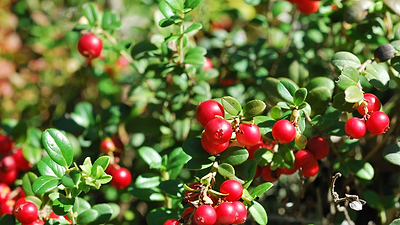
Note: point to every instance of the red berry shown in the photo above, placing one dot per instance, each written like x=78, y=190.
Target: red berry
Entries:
x=208, y=64
x=36, y=222
x=312, y=170
x=288, y=171
x=248, y=135
x=355, y=128
x=218, y=131
x=191, y=195
x=207, y=111
x=121, y=178
x=7, y=163
x=6, y=144
x=233, y=188
x=7, y=207
x=304, y=159
x=268, y=175
x=226, y=213
x=378, y=123
x=107, y=146
x=318, y=146
x=4, y=192
x=212, y=148
x=119, y=146
x=241, y=212
x=26, y=212
x=372, y=104
x=308, y=6
x=111, y=168
x=254, y=148
x=8, y=177
x=283, y=131
x=171, y=222
x=22, y=163
x=90, y=45
x=205, y=215
x=188, y=211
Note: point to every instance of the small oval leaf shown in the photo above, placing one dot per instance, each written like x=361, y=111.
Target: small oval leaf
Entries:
x=58, y=147
x=231, y=105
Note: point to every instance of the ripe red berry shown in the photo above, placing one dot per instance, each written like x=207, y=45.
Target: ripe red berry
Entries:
x=21, y=162
x=6, y=144
x=233, y=188
x=208, y=64
x=252, y=149
x=90, y=45
x=7, y=163
x=205, y=215
x=248, y=135
x=372, y=104
x=270, y=175
x=171, y=222
x=107, y=146
x=288, y=171
x=218, y=131
x=304, y=159
x=355, y=128
x=378, y=123
x=36, y=222
x=212, y=148
x=7, y=207
x=308, y=6
x=318, y=146
x=5, y=191
x=207, y=111
x=8, y=177
x=283, y=131
x=241, y=212
x=121, y=178
x=226, y=213
x=26, y=212
x=312, y=170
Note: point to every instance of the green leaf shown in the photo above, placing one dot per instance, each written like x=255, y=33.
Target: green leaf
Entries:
x=264, y=156
x=253, y=108
x=286, y=90
x=175, y=4
x=27, y=181
x=7, y=219
x=83, y=114
x=20, y=132
x=149, y=194
x=47, y=166
x=372, y=198
x=151, y=157
x=58, y=147
x=165, y=9
x=91, y=12
x=102, y=161
x=86, y=167
x=191, y=4
x=199, y=164
x=395, y=62
x=258, y=212
x=231, y=105
x=300, y=96
x=377, y=76
x=105, y=213
x=110, y=21
x=345, y=58
x=395, y=222
x=194, y=59
x=158, y=216
x=276, y=112
x=226, y=170
x=392, y=153
x=340, y=104
x=362, y=169
x=172, y=187
x=318, y=82
x=348, y=77
x=71, y=179
x=87, y=216
x=147, y=180
x=32, y=154
x=353, y=94
x=176, y=160
x=61, y=204
x=261, y=189
x=192, y=147
x=81, y=205
x=45, y=184
x=319, y=99
x=193, y=27
x=287, y=155
x=234, y=155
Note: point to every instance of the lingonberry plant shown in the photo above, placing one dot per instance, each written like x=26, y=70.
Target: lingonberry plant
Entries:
x=199, y=112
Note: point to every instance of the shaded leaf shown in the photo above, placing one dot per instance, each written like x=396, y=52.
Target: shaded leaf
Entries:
x=345, y=58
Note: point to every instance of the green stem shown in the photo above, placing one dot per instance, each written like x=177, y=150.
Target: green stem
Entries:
x=168, y=200
x=70, y=212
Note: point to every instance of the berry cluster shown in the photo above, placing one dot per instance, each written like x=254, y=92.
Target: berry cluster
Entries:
x=223, y=209
x=373, y=120
x=307, y=6
x=218, y=131
x=114, y=147
x=11, y=160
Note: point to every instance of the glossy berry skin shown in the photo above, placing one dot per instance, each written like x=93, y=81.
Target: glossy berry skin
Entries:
x=283, y=131
x=107, y=146
x=7, y=207
x=268, y=175
x=241, y=212
x=7, y=163
x=304, y=159
x=5, y=191
x=205, y=215
x=287, y=171
x=312, y=170
x=6, y=144
x=308, y=6
x=378, y=123
x=318, y=146
x=21, y=162
x=248, y=135
x=212, y=148
x=373, y=104
x=208, y=64
x=207, y=111
x=8, y=177
x=226, y=213
x=121, y=178
x=26, y=212
x=252, y=149
x=233, y=188
x=355, y=128
x=171, y=222
x=36, y=222
x=90, y=45
x=218, y=131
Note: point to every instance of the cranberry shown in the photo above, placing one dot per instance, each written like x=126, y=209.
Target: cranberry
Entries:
x=22, y=163
x=171, y=222
x=378, y=123
x=248, y=135
x=355, y=128
x=8, y=177
x=312, y=170
x=205, y=215
x=283, y=131
x=241, y=212
x=107, y=146
x=90, y=45
x=5, y=191
x=212, y=148
x=318, y=146
x=7, y=163
x=288, y=171
x=308, y=6
x=208, y=64
x=7, y=207
x=6, y=144
x=36, y=222
x=268, y=175
x=226, y=213
x=233, y=188
x=372, y=104
x=304, y=159
x=121, y=178
x=26, y=212
x=218, y=131
x=207, y=111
